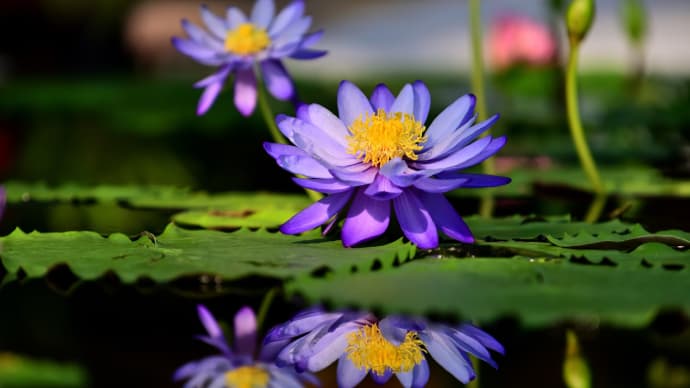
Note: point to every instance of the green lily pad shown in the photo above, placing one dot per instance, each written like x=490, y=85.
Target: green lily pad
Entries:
x=178, y=252
x=19, y=372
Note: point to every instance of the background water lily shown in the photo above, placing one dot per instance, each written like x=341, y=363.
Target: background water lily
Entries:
x=239, y=45
x=377, y=154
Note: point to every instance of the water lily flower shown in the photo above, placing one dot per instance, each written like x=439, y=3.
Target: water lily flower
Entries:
x=395, y=345
x=377, y=154
x=236, y=367
x=238, y=44
x=518, y=40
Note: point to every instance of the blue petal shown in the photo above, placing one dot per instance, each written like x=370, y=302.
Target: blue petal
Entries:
x=262, y=13
x=355, y=178
x=382, y=98
x=367, y=218
x=315, y=141
x=311, y=39
x=245, y=332
x=348, y=374
x=326, y=121
x=459, y=139
x=301, y=323
x=470, y=345
x=208, y=97
x=193, y=49
x=277, y=80
x=398, y=172
x=446, y=218
x=214, y=23
x=352, y=103
x=404, y=103
x=303, y=165
x=482, y=180
x=493, y=147
x=382, y=189
x=326, y=186
x=461, y=156
x=449, y=119
x=447, y=355
x=245, y=91
x=200, y=36
x=308, y=54
x=484, y=338
x=218, y=76
x=316, y=214
x=290, y=13
x=209, y=322
x=415, y=221
x=283, y=378
x=234, y=17
x=277, y=150
x=381, y=379
x=293, y=33
x=422, y=101
x=433, y=185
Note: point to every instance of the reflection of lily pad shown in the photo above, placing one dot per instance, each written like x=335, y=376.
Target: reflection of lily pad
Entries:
x=22, y=372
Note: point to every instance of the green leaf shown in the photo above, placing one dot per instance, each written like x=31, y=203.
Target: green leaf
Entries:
x=518, y=227
x=632, y=238
x=18, y=372
x=538, y=292
x=179, y=252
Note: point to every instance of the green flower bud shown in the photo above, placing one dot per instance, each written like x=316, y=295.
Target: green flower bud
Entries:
x=579, y=18
x=634, y=20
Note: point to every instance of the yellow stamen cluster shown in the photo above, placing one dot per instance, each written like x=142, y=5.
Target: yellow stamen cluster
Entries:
x=247, y=377
x=368, y=349
x=378, y=138
x=247, y=39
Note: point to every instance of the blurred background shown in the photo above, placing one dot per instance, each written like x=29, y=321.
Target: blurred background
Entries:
x=92, y=92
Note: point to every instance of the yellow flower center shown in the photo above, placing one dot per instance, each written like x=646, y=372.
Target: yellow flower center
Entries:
x=369, y=350
x=380, y=137
x=247, y=377
x=247, y=39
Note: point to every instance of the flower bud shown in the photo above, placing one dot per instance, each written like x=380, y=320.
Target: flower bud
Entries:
x=634, y=20
x=579, y=18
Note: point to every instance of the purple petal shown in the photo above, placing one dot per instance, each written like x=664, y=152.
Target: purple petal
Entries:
x=245, y=91
x=277, y=80
x=277, y=150
x=234, y=17
x=315, y=141
x=470, y=345
x=381, y=379
x=326, y=186
x=417, y=377
x=214, y=23
x=209, y=322
x=348, y=374
x=303, y=165
x=245, y=332
x=482, y=180
x=311, y=39
x=367, y=218
x=433, y=185
x=308, y=54
x=290, y=13
x=193, y=49
x=447, y=355
x=262, y=13
x=301, y=323
x=218, y=76
x=382, y=189
x=208, y=97
x=449, y=119
x=459, y=139
x=200, y=36
x=460, y=157
x=316, y=214
x=483, y=337
x=415, y=221
x=294, y=32
x=326, y=121
x=422, y=101
x=401, y=175
x=404, y=103
x=445, y=217
x=352, y=103
x=355, y=178
x=382, y=98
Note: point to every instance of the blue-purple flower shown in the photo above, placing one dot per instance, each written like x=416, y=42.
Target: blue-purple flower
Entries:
x=238, y=44
x=377, y=154
x=363, y=344
x=236, y=367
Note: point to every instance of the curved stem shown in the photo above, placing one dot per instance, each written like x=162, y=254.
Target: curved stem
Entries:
x=263, y=309
x=576, y=130
x=486, y=205
x=596, y=208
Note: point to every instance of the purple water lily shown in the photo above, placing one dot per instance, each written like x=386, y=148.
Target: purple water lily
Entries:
x=236, y=367
x=377, y=154
x=237, y=43
x=363, y=344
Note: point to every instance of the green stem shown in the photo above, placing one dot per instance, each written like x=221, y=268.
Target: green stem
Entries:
x=576, y=129
x=596, y=208
x=278, y=137
x=269, y=117
x=265, y=305
x=486, y=205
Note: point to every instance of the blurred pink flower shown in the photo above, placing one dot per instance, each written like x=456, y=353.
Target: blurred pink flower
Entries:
x=518, y=40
